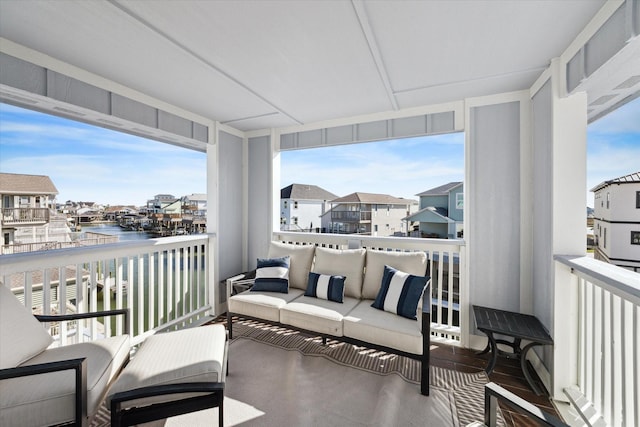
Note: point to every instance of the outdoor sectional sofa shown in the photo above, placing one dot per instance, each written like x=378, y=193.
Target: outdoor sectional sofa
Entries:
x=353, y=320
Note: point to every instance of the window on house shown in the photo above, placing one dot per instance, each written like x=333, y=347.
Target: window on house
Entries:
x=285, y=204
x=295, y=204
x=24, y=200
x=283, y=221
x=635, y=237
x=375, y=228
x=608, y=199
x=459, y=201
x=294, y=220
x=604, y=240
x=637, y=199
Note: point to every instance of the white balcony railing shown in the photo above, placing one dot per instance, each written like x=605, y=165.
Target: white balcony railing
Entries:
x=163, y=282
x=597, y=362
x=446, y=261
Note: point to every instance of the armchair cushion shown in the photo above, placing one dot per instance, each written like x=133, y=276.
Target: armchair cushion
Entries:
x=47, y=399
x=22, y=336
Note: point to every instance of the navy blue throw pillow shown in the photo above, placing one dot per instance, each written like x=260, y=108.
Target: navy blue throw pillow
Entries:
x=325, y=287
x=272, y=275
x=400, y=292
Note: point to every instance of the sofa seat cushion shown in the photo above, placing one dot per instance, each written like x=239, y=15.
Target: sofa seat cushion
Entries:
x=369, y=324
x=263, y=305
x=48, y=399
x=414, y=263
x=317, y=315
x=194, y=355
x=301, y=258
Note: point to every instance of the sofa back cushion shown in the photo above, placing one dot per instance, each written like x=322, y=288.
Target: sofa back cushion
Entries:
x=342, y=262
x=300, y=260
x=411, y=262
x=21, y=335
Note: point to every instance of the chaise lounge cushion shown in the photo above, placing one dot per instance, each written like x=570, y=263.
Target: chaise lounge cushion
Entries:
x=262, y=305
x=23, y=337
x=346, y=262
x=195, y=355
x=383, y=328
x=301, y=258
x=411, y=262
x=317, y=315
x=50, y=398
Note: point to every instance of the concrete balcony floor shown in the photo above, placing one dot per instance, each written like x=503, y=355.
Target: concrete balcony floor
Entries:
x=507, y=373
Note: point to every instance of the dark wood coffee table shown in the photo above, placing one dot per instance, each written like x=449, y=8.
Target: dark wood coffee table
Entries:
x=517, y=326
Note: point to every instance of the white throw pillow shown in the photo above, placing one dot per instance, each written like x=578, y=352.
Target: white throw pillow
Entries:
x=22, y=336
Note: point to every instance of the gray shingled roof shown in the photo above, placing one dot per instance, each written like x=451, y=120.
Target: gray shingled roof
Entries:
x=19, y=184
x=372, y=198
x=441, y=190
x=627, y=179
x=306, y=192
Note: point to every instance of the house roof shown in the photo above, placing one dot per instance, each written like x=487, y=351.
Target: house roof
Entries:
x=17, y=184
x=430, y=214
x=372, y=198
x=442, y=190
x=627, y=179
x=326, y=60
x=306, y=192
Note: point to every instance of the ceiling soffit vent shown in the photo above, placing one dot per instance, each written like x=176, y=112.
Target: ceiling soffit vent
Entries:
x=25, y=84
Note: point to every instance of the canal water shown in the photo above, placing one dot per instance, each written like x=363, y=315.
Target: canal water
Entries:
x=116, y=230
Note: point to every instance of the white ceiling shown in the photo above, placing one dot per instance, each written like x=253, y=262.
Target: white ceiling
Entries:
x=261, y=64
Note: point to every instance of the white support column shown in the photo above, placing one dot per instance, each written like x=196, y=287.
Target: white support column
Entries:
x=569, y=134
x=212, y=215
x=275, y=184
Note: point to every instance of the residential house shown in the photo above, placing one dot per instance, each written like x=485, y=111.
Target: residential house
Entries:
x=160, y=202
x=194, y=213
x=113, y=213
x=521, y=79
x=369, y=214
x=302, y=206
x=441, y=212
x=617, y=221
x=29, y=220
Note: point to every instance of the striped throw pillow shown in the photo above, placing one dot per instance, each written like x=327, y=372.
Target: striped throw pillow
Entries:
x=272, y=275
x=400, y=292
x=324, y=286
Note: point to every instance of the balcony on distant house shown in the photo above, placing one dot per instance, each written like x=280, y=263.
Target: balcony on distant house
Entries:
x=24, y=216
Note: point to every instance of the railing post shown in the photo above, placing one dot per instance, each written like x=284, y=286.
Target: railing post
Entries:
x=564, y=372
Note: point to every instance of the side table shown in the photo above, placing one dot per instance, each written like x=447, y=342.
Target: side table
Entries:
x=517, y=326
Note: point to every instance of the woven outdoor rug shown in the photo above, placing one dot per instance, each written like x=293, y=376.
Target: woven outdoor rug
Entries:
x=260, y=393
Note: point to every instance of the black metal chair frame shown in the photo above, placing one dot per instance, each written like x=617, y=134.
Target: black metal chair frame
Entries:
x=493, y=393
x=424, y=358
x=214, y=397
x=79, y=366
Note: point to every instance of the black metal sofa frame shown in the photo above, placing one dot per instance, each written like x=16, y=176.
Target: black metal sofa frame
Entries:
x=426, y=339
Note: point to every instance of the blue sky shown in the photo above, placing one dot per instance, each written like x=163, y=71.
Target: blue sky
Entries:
x=88, y=163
